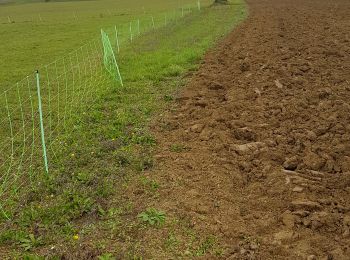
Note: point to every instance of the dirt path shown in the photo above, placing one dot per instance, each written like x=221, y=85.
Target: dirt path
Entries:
x=257, y=147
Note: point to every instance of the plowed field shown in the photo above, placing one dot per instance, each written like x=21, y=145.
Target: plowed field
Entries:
x=256, y=149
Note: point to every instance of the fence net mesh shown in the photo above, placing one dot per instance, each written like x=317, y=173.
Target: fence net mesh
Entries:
x=67, y=85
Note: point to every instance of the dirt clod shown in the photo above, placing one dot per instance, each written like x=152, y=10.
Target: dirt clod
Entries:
x=313, y=161
x=288, y=219
x=197, y=128
x=305, y=204
x=291, y=163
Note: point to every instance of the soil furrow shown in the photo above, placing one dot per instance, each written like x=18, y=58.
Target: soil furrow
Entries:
x=265, y=130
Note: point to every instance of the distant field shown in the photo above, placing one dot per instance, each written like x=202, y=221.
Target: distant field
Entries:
x=37, y=33
x=35, y=1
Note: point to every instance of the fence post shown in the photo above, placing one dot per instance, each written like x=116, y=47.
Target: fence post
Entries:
x=199, y=5
x=116, y=36
x=41, y=121
x=138, y=26
x=130, y=29
x=116, y=64
x=153, y=22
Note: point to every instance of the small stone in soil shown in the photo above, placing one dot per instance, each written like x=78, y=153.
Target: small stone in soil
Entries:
x=291, y=163
x=278, y=84
x=298, y=189
x=197, y=128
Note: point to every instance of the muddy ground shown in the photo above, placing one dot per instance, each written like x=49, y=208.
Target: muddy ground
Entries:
x=256, y=149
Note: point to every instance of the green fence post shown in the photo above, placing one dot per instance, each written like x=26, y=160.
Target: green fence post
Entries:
x=116, y=37
x=130, y=29
x=117, y=67
x=138, y=26
x=41, y=122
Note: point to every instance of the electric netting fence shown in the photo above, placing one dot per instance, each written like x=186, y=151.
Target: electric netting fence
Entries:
x=38, y=110
x=109, y=59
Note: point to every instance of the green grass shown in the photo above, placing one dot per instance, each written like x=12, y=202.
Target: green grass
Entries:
x=67, y=83
x=28, y=42
x=85, y=194
x=152, y=217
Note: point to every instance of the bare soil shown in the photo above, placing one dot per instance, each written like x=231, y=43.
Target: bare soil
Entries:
x=262, y=135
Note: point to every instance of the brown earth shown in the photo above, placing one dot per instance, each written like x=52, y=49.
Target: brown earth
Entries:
x=256, y=149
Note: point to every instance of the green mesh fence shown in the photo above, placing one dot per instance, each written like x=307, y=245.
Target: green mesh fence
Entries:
x=49, y=102
x=109, y=59
x=36, y=112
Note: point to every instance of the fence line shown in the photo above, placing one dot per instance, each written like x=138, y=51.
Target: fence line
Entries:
x=69, y=15
x=40, y=108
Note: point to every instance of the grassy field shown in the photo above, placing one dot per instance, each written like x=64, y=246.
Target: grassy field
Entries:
x=81, y=209
x=67, y=83
x=42, y=32
x=66, y=48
